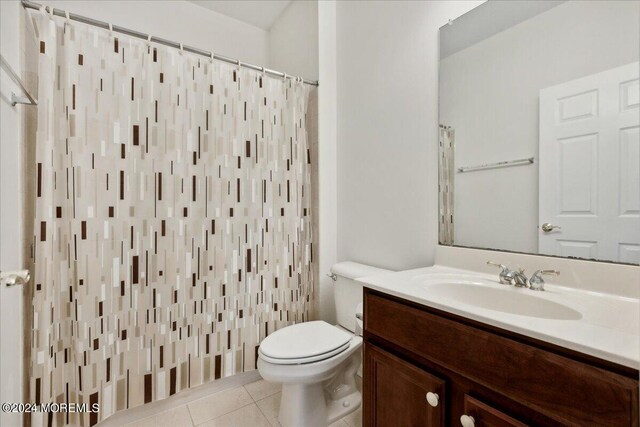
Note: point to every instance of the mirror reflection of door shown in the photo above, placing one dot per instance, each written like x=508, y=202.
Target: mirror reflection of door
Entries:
x=555, y=82
x=589, y=180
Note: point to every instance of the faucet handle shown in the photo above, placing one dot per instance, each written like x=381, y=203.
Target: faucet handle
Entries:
x=536, y=283
x=495, y=264
x=546, y=273
x=506, y=275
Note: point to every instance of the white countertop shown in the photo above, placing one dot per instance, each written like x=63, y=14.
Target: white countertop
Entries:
x=604, y=325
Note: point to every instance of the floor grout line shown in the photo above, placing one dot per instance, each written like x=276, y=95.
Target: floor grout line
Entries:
x=263, y=397
x=250, y=395
x=193, y=423
x=265, y=415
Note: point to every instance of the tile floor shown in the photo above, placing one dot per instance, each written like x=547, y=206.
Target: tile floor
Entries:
x=252, y=405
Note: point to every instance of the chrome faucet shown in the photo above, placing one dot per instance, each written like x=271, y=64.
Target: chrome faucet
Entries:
x=519, y=278
x=536, y=283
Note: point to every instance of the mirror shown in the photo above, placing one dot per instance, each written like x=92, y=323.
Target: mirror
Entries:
x=539, y=114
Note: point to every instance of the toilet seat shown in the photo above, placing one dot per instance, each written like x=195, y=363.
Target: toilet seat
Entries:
x=304, y=343
x=302, y=360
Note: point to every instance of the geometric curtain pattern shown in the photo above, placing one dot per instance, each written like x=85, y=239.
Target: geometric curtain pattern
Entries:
x=446, y=181
x=173, y=223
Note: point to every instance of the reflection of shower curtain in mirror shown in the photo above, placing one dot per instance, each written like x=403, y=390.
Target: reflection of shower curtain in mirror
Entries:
x=173, y=226
x=446, y=179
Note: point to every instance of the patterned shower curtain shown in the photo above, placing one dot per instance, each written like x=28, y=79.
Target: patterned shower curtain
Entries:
x=173, y=224
x=446, y=186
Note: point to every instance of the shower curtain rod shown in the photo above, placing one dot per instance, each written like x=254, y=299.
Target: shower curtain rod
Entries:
x=33, y=5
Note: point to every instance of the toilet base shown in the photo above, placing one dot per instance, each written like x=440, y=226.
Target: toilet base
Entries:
x=322, y=403
x=306, y=405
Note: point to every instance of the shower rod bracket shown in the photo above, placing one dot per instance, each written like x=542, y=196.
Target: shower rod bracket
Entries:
x=15, y=99
x=27, y=99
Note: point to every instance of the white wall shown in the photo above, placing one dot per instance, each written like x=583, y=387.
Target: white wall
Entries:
x=178, y=21
x=293, y=40
x=12, y=242
x=327, y=152
x=489, y=95
x=387, y=85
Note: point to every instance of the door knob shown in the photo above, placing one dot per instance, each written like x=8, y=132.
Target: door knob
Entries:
x=547, y=227
x=432, y=399
x=467, y=421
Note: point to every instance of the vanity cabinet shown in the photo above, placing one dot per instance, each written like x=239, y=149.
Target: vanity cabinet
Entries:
x=496, y=377
x=401, y=393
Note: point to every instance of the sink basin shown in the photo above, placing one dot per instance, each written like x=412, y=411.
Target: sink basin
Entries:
x=509, y=300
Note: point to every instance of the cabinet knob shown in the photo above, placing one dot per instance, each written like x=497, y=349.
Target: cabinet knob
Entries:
x=467, y=421
x=432, y=398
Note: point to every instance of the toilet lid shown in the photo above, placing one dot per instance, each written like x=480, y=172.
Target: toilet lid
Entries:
x=305, y=342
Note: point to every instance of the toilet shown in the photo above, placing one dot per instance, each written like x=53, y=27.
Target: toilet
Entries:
x=317, y=362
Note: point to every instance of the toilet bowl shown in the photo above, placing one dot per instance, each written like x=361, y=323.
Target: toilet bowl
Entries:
x=317, y=362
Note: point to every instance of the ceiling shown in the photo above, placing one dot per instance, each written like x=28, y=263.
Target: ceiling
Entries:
x=259, y=13
x=486, y=20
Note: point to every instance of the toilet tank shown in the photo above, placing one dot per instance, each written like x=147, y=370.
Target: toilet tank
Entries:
x=347, y=292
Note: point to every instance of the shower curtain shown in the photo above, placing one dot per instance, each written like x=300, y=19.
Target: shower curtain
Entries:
x=172, y=219
x=446, y=179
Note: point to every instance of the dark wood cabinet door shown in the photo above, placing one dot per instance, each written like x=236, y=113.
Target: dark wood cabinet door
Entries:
x=487, y=416
x=396, y=393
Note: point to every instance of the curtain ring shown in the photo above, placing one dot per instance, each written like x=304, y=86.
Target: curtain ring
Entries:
x=181, y=49
x=110, y=29
x=149, y=40
x=284, y=77
x=66, y=14
x=211, y=57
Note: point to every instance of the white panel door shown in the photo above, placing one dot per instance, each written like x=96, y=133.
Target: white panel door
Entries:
x=589, y=170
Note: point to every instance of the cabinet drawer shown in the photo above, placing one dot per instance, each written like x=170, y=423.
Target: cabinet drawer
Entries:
x=398, y=394
x=488, y=416
x=563, y=389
